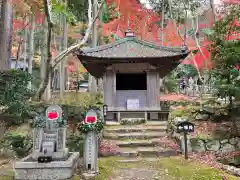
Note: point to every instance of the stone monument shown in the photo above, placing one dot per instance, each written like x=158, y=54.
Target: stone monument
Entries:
x=91, y=144
x=50, y=142
x=50, y=158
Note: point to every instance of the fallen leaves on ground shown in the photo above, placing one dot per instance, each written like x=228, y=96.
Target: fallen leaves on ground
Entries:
x=108, y=146
x=176, y=97
x=169, y=143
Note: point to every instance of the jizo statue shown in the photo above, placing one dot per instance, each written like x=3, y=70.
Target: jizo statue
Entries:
x=50, y=140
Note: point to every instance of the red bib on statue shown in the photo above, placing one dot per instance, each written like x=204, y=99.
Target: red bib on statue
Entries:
x=91, y=119
x=53, y=115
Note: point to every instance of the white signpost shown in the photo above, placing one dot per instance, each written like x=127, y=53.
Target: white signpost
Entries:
x=91, y=144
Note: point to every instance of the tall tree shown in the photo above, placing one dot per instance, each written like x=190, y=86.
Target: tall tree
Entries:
x=226, y=56
x=64, y=42
x=5, y=30
x=91, y=13
x=25, y=52
x=31, y=46
x=52, y=63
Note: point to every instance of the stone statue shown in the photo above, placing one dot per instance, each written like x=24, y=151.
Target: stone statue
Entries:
x=49, y=143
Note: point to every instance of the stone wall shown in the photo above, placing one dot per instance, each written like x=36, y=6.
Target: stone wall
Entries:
x=196, y=144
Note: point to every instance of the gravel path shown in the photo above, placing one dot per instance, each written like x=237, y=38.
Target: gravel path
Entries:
x=140, y=174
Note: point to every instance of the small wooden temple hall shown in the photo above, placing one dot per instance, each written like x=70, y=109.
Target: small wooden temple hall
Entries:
x=131, y=70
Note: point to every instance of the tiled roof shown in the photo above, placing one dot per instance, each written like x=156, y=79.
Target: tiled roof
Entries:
x=132, y=48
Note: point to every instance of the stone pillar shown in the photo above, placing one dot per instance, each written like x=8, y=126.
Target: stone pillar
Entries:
x=91, y=152
x=37, y=141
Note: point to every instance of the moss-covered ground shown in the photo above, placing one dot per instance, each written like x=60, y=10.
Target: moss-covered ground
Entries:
x=174, y=168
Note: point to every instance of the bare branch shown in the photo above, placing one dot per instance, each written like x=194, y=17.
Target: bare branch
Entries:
x=213, y=10
x=196, y=39
x=73, y=48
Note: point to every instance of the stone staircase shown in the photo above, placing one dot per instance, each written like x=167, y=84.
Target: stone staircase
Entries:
x=139, y=140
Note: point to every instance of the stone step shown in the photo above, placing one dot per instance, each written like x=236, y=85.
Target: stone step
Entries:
x=133, y=135
x=157, y=123
x=135, y=129
x=137, y=143
x=150, y=123
x=138, y=159
x=147, y=152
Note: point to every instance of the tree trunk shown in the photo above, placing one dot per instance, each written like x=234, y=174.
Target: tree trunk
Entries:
x=92, y=80
x=43, y=52
x=48, y=67
x=5, y=30
x=47, y=92
x=64, y=53
x=31, y=47
x=64, y=42
x=25, y=53
x=213, y=9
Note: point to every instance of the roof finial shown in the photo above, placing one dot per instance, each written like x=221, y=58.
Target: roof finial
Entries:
x=129, y=32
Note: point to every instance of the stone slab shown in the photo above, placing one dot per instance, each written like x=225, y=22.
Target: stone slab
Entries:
x=55, y=170
x=151, y=123
x=134, y=135
x=136, y=143
x=56, y=155
x=147, y=151
x=136, y=129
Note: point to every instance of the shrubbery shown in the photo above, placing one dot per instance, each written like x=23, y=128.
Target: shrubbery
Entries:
x=14, y=94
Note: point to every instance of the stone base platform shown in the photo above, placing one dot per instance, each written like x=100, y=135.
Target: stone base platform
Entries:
x=26, y=169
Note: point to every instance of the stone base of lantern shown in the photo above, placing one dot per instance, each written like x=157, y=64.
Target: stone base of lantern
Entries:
x=28, y=169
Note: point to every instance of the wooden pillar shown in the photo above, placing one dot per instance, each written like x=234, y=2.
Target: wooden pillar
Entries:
x=158, y=90
x=114, y=99
x=108, y=89
x=153, y=86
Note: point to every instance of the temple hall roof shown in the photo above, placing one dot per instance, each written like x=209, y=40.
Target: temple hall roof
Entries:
x=131, y=48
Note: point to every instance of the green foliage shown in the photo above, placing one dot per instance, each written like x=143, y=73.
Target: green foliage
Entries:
x=74, y=106
x=18, y=143
x=186, y=70
x=39, y=121
x=60, y=8
x=105, y=15
x=85, y=128
x=106, y=39
x=69, y=113
x=109, y=12
x=178, y=8
x=14, y=92
x=75, y=143
x=79, y=9
x=132, y=121
x=171, y=83
x=83, y=100
x=86, y=76
x=226, y=55
x=188, y=112
x=98, y=127
x=174, y=168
